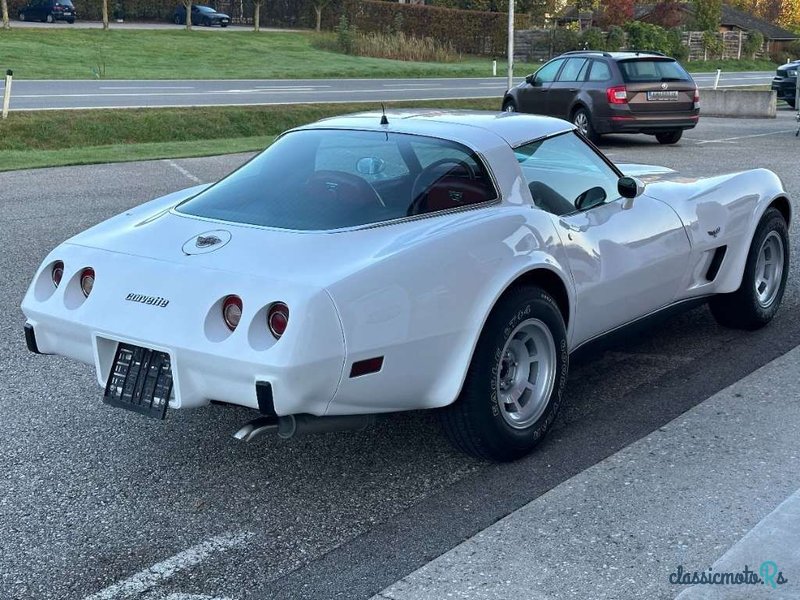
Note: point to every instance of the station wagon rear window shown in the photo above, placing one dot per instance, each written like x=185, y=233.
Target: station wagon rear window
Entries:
x=652, y=70
x=323, y=179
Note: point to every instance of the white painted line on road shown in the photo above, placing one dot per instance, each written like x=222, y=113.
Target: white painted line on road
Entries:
x=744, y=137
x=181, y=170
x=151, y=577
x=182, y=596
x=147, y=87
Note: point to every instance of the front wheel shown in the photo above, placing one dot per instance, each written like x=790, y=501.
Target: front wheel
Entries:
x=509, y=106
x=22, y=16
x=178, y=20
x=759, y=296
x=50, y=19
x=516, y=380
x=582, y=119
x=669, y=137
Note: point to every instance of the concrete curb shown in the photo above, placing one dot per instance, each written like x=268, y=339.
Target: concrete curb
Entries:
x=738, y=103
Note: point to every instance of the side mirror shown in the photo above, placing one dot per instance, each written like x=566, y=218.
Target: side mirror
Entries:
x=590, y=198
x=630, y=187
x=529, y=79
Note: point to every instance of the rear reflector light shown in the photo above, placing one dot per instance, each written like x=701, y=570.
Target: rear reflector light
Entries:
x=278, y=319
x=57, y=273
x=696, y=98
x=87, y=281
x=617, y=95
x=365, y=367
x=232, y=311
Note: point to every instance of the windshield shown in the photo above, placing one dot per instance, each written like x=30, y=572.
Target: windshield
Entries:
x=321, y=179
x=205, y=9
x=649, y=70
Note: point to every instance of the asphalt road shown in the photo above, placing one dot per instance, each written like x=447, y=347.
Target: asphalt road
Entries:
x=45, y=95
x=102, y=504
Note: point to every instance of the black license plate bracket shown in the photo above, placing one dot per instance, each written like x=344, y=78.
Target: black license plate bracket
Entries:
x=140, y=380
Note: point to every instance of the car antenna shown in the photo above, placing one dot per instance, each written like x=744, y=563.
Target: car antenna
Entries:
x=384, y=120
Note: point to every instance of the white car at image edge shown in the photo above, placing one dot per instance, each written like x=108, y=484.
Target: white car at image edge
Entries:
x=420, y=259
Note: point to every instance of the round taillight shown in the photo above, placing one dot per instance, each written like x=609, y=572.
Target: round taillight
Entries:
x=87, y=281
x=232, y=311
x=57, y=272
x=278, y=319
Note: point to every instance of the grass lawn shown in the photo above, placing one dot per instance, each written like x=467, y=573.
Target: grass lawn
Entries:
x=58, y=138
x=43, y=53
x=40, y=53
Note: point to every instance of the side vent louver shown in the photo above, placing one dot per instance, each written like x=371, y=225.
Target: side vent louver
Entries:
x=716, y=263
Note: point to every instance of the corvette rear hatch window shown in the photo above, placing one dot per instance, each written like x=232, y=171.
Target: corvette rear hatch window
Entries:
x=322, y=179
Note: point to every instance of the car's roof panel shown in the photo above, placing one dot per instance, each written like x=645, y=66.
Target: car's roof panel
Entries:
x=474, y=127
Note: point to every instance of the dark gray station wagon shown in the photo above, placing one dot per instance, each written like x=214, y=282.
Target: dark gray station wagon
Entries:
x=612, y=92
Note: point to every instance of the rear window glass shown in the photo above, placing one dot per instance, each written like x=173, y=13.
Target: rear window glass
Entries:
x=321, y=179
x=644, y=70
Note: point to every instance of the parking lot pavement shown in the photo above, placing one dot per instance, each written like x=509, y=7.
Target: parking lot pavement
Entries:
x=679, y=497
x=98, y=503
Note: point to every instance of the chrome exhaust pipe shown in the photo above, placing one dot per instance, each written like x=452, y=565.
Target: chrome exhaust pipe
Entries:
x=256, y=428
x=294, y=425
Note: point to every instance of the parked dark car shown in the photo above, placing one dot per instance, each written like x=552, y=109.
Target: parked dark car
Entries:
x=785, y=82
x=612, y=92
x=49, y=11
x=201, y=15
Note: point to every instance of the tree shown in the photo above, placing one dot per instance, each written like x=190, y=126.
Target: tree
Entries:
x=105, y=14
x=4, y=7
x=667, y=13
x=257, y=14
x=187, y=4
x=318, y=6
x=617, y=12
x=707, y=14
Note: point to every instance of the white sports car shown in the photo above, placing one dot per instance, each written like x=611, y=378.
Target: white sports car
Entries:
x=374, y=263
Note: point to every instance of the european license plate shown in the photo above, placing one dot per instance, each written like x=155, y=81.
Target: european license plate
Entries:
x=140, y=380
x=662, y=95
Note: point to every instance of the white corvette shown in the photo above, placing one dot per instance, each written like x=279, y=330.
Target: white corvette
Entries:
x=364, y=264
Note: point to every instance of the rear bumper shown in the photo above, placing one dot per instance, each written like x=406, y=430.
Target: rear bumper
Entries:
x=649, y=124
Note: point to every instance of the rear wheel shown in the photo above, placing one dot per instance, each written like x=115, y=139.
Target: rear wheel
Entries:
x=22, y=16
x=178, y=20
x=669, y=137
x=790, y=103
x=759, y=296
x=516, y=379
x=582, y=119
x=509, y=106
x=50, y=19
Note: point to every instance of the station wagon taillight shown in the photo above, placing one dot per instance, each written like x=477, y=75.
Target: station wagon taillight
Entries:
x=617, y=94
x=696, y=100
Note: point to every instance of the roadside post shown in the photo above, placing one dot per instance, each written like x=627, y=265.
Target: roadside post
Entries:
x=716, y=79
x=797, y=100
x=7, y=93
x=510, y=44
x=494, y=68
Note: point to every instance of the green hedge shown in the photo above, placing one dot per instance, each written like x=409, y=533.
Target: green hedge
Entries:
x=468, y=31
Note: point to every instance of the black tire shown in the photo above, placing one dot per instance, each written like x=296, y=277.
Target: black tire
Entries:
x=50, y=19
x=206, y=23
x=475, y=423
x=178, y=20
x=223, y=25
x=22, y=16
x=790, y=103
x=669, y=137
x=742, y=308
x=71, y=21
x=509, y=106
x=585, y=126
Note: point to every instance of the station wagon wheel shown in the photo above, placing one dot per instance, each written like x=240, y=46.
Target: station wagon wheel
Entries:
x=759, y=296
x=582, y=119
x=509, y=106
x=516, y=379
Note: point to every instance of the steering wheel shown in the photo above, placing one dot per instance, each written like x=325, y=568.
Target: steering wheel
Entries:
x=344, y=187
x=434, y=172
